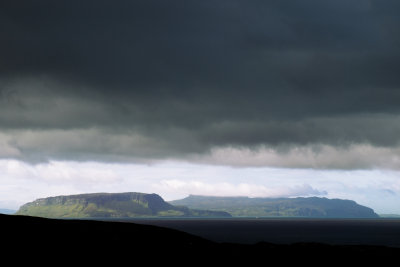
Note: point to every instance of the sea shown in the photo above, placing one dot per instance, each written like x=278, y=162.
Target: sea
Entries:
x=375, y=232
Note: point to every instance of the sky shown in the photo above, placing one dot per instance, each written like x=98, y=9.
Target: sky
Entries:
x=230, y=97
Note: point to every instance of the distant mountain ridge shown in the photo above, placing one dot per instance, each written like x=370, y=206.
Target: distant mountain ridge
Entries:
x=279, y=207
x=104, y=205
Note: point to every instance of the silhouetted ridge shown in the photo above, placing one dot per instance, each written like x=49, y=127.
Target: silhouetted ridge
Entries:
x=38, y=241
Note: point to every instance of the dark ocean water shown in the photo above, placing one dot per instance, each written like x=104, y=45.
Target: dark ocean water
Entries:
x=382, y=232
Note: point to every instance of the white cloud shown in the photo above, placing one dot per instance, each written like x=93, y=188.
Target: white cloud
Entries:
x=230, y=189
x=21, y=182
x=71, y=171
x=59, y=172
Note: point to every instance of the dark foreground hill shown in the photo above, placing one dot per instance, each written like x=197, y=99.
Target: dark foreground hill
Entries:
x=105, y=205
x=279, y=207
x=34, y=240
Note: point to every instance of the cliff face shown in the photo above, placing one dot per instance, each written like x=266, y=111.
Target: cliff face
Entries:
x=97, y=205
x=280, y=207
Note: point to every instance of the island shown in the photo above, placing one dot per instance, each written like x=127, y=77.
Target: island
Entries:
x=140, y=205
x=110, y=205
x=279, y=207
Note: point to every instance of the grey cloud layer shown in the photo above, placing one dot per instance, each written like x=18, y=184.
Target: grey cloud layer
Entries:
x=158, y=79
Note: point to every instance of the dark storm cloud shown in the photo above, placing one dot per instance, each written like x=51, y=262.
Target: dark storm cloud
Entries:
x=187, y=76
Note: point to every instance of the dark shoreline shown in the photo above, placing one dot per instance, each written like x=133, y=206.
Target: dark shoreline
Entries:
x=109, y=241
x=347, y=231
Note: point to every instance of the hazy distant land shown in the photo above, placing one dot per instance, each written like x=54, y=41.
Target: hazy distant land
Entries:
x=280, y=207
x=7, y=211
x=397, y=216
x=134, y=205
